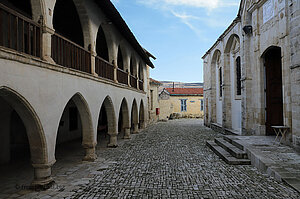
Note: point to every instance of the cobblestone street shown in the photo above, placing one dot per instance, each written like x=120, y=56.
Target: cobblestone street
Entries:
x=167, y=160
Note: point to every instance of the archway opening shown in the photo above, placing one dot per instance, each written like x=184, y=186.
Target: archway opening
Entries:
x=69, y=134
x=101, y=45
x=21, y=141
x=141, y=116
x=141, y=74
x=273, y=89
x=123, y=122
x=120, y=59
x=66, y=21
x=134, y=117
x=102, y=129
x=132, y=66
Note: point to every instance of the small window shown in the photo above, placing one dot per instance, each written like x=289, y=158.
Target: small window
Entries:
x=201, y=105
x=238, y=77
x=73, y=119
x=183, y=105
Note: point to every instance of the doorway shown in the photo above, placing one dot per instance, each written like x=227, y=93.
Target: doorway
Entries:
x=273, y=89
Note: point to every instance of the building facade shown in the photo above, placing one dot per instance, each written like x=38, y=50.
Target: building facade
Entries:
x=185, y=102
x=252, y=72
x=69, y=69
x=153, y=100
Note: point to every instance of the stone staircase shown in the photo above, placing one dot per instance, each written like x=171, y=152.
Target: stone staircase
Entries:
x=230, y=151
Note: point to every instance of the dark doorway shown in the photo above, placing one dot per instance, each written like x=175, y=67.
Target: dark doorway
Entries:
x=273, y=89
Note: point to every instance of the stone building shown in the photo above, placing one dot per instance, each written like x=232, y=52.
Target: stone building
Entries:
x=69, y=69
x=252, y=71
x=185, y=102
x=153, y=100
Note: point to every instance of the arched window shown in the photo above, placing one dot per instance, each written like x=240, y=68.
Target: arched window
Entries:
x=132, y=63
x=141, y=76
x=220, y=81
x=238, y=76
x=120, y=59
x=66, y=21
x=101, y=45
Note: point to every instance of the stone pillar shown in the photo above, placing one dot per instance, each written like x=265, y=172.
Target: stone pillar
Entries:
x=127, y=133
x=113, y=141
x=42, y=175
x=135, y=128
x=46, y=44
x=137, y=83
x=294, y=24
x=93, y=63
x=128, y=75
x=90, y=152
x=115, y=72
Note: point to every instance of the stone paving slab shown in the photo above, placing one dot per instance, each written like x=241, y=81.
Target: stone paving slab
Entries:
x=167, y=160
x=277, y=160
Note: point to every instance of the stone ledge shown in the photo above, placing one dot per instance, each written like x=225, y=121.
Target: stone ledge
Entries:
x=295, y=66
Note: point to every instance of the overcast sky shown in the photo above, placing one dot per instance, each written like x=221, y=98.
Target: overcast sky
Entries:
x=177, y=32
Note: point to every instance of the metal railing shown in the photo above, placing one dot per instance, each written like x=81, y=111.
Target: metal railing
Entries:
x=104, y=69
x=19, y=33
x=141, y=84
x=133, y=81
x=69, y=54
x=122, y=76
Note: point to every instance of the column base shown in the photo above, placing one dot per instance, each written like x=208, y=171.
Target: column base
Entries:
x=90, y=153
x=113, y=141
x=127, y=133
x=42, y=176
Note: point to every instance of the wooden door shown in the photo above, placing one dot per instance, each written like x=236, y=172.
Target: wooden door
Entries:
x=274, y=100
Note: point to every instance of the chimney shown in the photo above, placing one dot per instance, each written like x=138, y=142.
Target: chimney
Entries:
x=173, y=87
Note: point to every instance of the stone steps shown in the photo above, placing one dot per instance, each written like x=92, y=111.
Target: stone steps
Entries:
x=229, y=153
x=232, y=149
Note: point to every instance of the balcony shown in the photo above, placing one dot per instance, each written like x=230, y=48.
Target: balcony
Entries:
x=141, y=84
x=104, y=69
x=19, y=33
x=122, y=76
x=69, y=54
x=133, y=81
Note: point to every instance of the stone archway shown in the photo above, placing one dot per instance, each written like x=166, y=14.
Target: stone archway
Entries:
x=35, y=134
x=142, y=117
x=124, y=122
x=76, y=123
x=216, y=89
x=107, y=121
x=134, y=118
x=232, y=115
x=273, y=88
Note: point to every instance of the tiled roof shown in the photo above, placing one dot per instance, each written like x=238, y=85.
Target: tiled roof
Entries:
x=185, y=91
x=155, y=81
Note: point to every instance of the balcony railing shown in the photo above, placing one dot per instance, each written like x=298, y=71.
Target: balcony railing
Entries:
x=122, y=76
x=104, y=69
x=141, y=85
x=19, y=33
x=133, y=82
x=69, y=54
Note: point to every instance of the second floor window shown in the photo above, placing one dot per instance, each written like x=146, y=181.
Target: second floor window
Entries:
x=183, y=105
x=201, y=105
x=220, y=81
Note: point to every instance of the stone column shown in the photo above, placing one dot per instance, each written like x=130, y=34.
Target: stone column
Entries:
x=42, y=175
x=113, y=141
x=294, y=24
x=115, y=72
x=90, y=152
x=128, y=75
x=46, y=44
x=93, y=63
x=127, y=133
x=135, y=128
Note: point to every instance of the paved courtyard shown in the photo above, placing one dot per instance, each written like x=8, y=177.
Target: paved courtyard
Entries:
x=167, y=160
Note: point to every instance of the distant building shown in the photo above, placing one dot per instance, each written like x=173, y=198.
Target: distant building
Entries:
x=183, y=102
x=153, y=100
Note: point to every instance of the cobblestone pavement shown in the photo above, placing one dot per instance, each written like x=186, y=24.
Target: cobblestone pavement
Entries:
x=167, y=160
